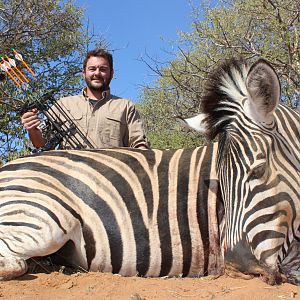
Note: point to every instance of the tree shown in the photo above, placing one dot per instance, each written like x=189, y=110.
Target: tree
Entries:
x=257, y=28
x=163, y=129
x=52, y=39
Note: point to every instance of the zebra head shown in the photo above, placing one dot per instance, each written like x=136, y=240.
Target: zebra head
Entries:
x=258, y=165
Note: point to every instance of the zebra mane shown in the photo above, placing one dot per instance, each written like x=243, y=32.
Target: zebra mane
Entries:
x=223, y=92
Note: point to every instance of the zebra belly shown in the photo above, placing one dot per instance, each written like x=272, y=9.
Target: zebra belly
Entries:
x=144, y=257
x=94, y=248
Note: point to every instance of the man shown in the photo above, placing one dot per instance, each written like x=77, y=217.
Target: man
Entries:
x=106, y=120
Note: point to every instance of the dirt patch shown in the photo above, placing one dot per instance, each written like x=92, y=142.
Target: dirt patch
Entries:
x=57, y=285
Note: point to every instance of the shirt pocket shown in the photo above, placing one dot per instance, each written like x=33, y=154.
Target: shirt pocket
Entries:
x=114, y=130
x=78, y=118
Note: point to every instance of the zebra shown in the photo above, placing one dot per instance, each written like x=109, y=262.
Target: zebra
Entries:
x=258, y=168
x=127, y=211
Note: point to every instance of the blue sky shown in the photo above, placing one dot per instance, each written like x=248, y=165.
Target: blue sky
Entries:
x=135, y=29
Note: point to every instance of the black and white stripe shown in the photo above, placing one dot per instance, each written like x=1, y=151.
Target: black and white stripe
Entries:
x=126, y=211
x=258, y=165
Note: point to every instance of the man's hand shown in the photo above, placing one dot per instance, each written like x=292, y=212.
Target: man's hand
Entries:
x=30, y=120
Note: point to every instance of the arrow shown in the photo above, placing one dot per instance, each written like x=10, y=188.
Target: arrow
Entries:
x=14, y=65
x=9, y=67
x=6, y=70
x=18, y=56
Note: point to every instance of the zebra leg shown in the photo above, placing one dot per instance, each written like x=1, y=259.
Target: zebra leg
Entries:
x=11, y=267
x=19, y=243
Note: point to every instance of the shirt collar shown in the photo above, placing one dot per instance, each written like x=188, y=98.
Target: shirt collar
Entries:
x=105, y=94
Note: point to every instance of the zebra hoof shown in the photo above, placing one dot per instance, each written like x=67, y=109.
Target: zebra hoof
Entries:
x=12, y=267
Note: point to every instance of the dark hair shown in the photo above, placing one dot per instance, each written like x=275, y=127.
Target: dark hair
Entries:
x=99, y=53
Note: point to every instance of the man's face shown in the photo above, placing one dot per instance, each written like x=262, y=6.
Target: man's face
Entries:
x=97, y=73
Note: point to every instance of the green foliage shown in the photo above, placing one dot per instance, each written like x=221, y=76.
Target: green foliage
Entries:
x=258, y=28
x=51, y=37
x=53, y=41
x=163, y=129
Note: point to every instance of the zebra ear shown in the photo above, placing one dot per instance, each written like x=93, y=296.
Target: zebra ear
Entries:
x=197, y=123
x=263, y=87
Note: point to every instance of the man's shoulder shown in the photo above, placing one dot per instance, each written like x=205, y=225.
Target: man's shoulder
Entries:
x=119, y=100
x=72, y=100
x=72, y=97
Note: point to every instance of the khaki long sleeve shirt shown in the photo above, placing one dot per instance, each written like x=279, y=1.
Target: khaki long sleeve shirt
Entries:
x=109, y=122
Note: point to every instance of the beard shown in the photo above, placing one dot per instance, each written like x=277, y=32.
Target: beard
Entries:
x=97, y=84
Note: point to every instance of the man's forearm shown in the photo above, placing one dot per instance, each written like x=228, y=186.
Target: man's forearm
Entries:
x=36, y=138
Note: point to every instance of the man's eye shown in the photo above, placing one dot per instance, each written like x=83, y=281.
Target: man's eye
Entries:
x=102, y=69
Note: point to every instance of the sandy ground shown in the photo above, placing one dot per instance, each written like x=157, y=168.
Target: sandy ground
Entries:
x=58, y=285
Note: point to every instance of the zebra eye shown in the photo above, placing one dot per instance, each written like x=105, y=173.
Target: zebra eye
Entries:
x=258, y=171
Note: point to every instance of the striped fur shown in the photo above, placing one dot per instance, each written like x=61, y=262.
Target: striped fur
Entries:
x=258, y=165
x=126, y=211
